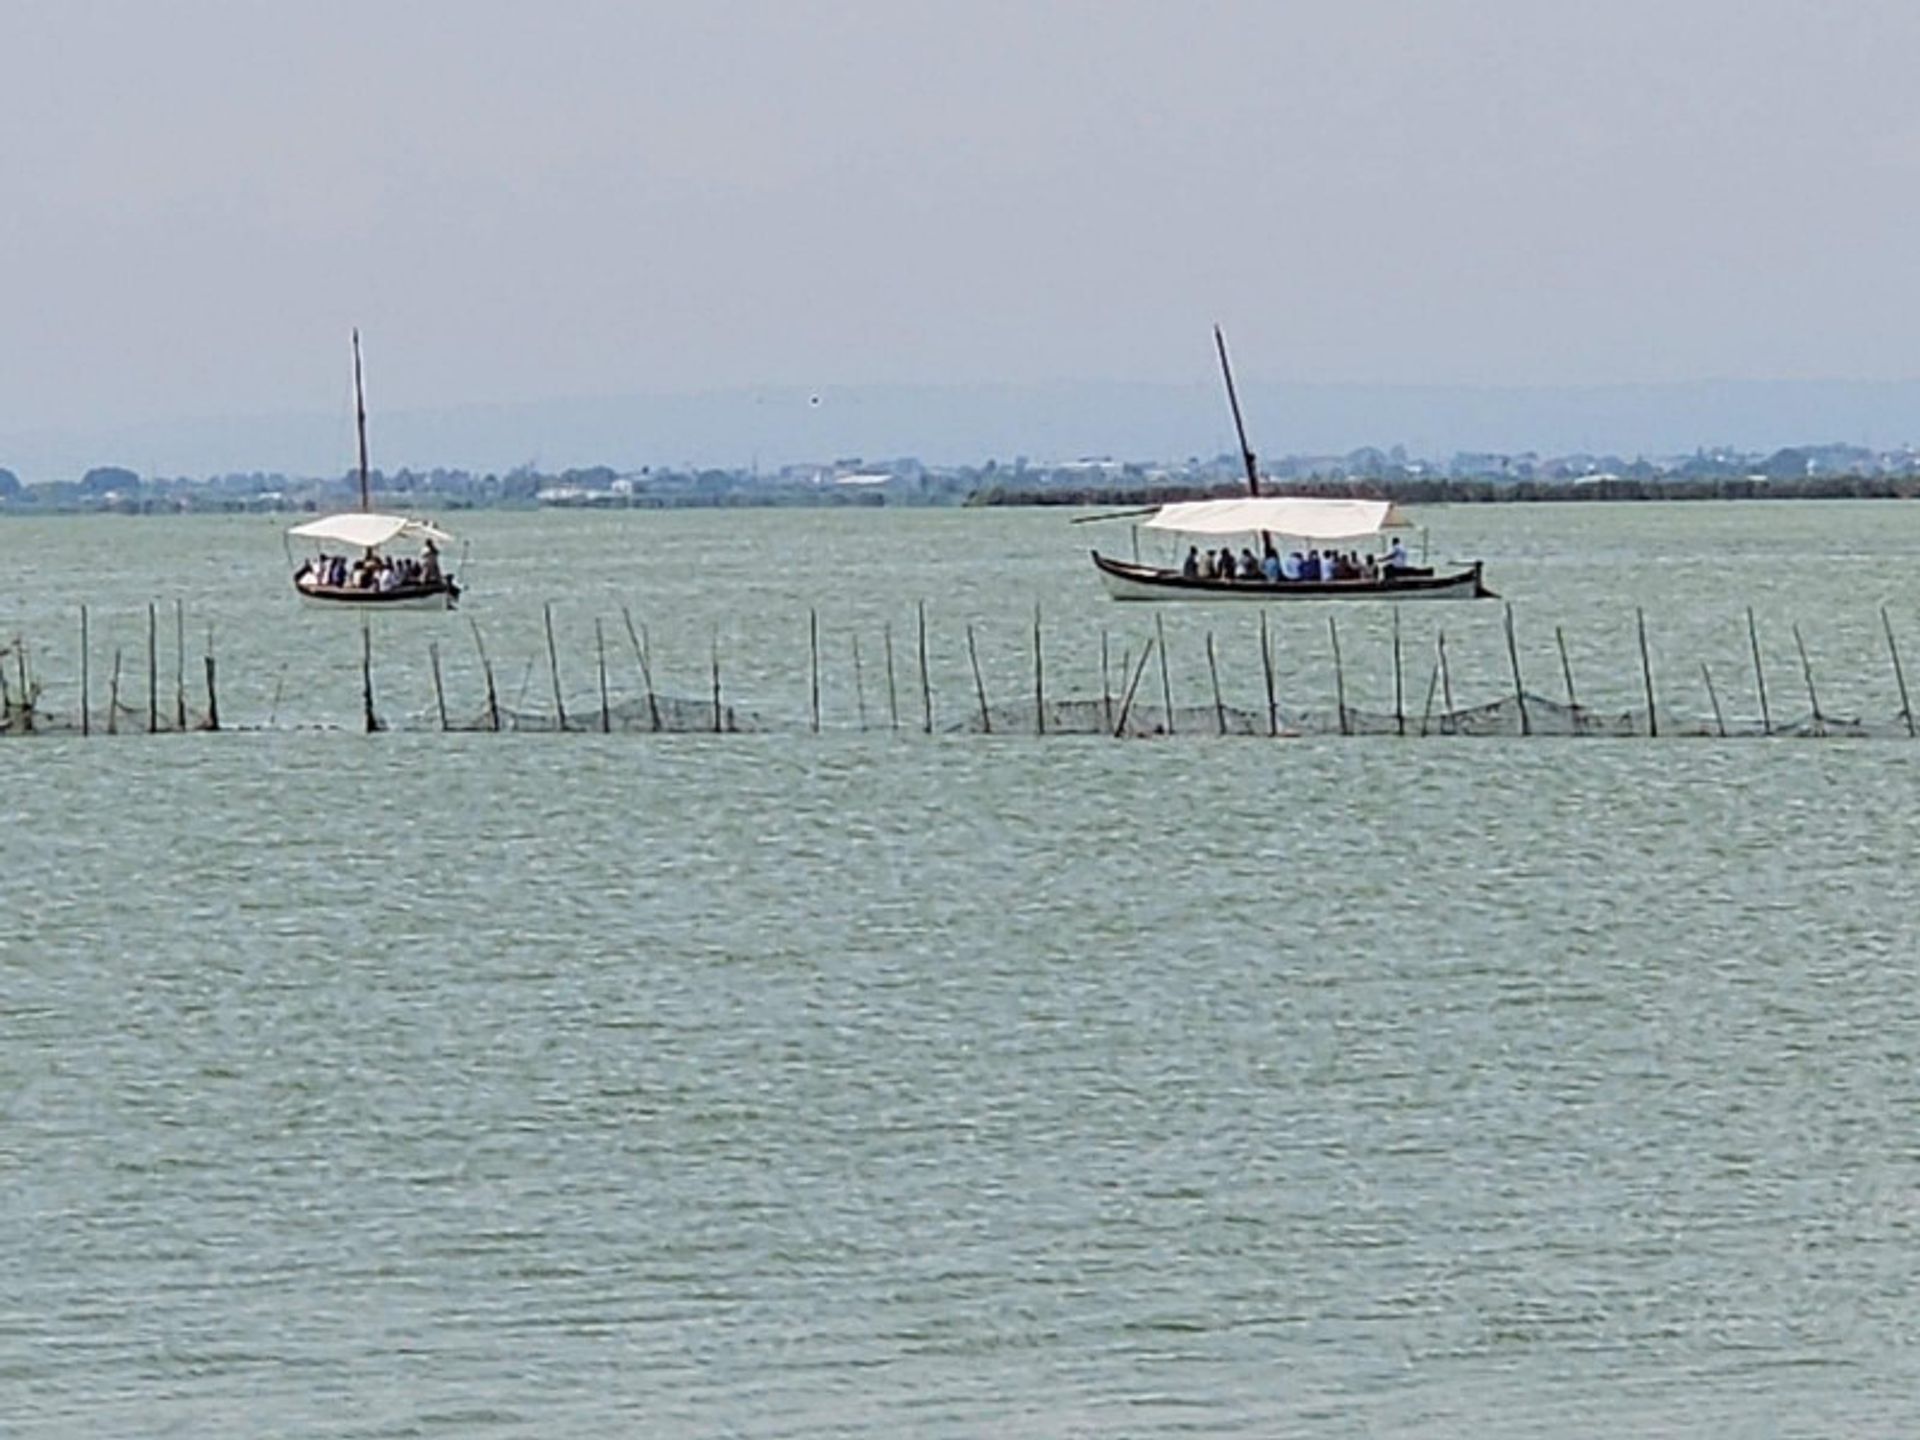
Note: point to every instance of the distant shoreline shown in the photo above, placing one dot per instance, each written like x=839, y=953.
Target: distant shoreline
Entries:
x=1481, y=492
x=1403, y=490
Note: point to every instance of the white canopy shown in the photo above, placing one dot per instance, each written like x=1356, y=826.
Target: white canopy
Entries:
x=367, y=530
x=1298, y=516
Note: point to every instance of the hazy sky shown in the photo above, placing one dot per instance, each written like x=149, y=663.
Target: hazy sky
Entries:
x=524, y=201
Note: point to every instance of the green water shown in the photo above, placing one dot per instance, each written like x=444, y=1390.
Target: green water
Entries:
x=865, y=1083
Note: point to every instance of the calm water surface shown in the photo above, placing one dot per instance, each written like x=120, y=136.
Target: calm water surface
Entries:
x=783, y=1085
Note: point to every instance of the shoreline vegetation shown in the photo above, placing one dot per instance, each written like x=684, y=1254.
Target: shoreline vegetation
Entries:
x=908, y=483
x=1491, y=492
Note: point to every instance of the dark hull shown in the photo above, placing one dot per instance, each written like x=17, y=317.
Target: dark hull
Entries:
x=408, y=597
x=1126, y=581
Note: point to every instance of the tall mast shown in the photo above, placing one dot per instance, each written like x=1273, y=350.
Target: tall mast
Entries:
x=360, y=418
x=1246, y=452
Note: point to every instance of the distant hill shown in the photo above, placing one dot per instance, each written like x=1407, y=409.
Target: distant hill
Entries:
x=965, y=423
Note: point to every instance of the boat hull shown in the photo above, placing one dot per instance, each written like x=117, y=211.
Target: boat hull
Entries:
x=441, y=597
x=1126, y=581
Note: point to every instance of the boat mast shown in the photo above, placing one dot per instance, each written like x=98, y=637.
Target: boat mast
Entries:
x=1246, y=452
x=360, y=419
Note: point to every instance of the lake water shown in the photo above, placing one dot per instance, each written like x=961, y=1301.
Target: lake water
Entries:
x=870, y=1083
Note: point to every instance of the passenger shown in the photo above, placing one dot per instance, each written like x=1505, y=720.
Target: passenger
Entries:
x=1369, y=569
x=1223, y=563
x=1206, y=565
x=1249, y=567
x=1270, y=566
x=430, y=563
x=1310, y=567
x=1290, y=568
x=1396, y=556
x=1190, y=569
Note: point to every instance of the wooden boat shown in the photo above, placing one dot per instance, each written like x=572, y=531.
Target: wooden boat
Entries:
x=1313, y=520
x=366, y=530
x=1127, y=581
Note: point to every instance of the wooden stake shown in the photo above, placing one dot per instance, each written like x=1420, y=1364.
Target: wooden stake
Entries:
x=926, y=683
x=180, y=666
x=1448, y=724
x=1759, y=675
x=718, y=713
x=1646, y=674
x=486, y=669
x=1899, y=674
x=1399, y=693
x=153, y=669
x=1166, y=678
x=600, y=653
x=859, y=686
x=439, y=690
x=1106, y=684
x=893, y=695
x=1426, y=712
x=1813, y=698
x=113, y=696
x=1519, y=689
x=813, y=653
x=1219, y=706
x=85, y=674
x=1566, y=670
x=1039, y=680
x=642, y=655
x=213, y=700
x=1126, y=703
x=979, y=685
x=1713, y=698
x=1339, y=675
x=366, y=675
x=1266, y=666
x=6, y=697
x=553, y=669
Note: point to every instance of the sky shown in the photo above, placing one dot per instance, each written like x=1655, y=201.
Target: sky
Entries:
x=529, y=203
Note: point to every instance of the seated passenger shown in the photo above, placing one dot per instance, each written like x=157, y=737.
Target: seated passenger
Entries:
x=1310, y=567
x=1270, y=566
x=1396, y=556
x=1249, y=567
x=1191, y=566
x=1291, y=566
x=1206, y=565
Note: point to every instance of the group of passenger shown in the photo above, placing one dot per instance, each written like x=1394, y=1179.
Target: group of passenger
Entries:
x=372, y=571
x=1275, y=567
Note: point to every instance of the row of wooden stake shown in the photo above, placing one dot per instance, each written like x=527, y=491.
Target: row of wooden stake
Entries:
x=1131, y=669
